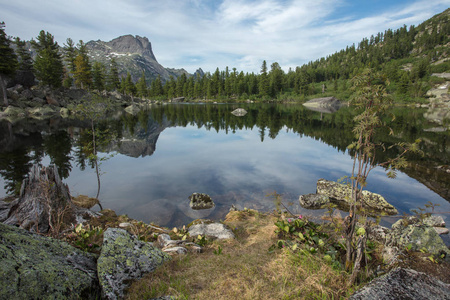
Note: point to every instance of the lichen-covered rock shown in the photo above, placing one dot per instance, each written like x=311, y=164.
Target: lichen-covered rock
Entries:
x=435, y=221
x=416, y=237
x=214, y=230
x=343, y=193
x=38, y=267
x=123, y=258
x=312, y=201
x=200, y=201
x=404, y=284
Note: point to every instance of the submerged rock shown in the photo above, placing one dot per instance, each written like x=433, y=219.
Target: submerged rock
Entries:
x=38, y=267
x=123, y=258
x=343, y=195
x=404, y=284
x=200, y=201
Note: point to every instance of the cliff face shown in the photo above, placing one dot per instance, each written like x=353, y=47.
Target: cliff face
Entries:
x=133, y=54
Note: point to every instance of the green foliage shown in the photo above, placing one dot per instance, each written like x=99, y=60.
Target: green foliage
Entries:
x=48, y=64
x=8, y=59
x=87, y=238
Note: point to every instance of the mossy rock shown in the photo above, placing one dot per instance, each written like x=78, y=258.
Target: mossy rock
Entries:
x=38, y=267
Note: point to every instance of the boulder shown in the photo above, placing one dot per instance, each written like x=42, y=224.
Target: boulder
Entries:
x=41, y=111
x=416, y=237
x=132, y=109
x=342, y=194
x=200, y=201
x=38, y=267
x=212, y=230
x=313, y=201
x=434, y=221
x=124, y=258
x=404, y=284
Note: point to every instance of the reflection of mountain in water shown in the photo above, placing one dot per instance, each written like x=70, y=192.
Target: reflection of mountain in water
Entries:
x=143, y=140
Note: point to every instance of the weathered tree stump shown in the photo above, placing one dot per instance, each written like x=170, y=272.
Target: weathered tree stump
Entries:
x=44, y=202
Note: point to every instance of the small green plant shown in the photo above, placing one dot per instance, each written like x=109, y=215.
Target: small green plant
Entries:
x=201, y=240
x=218, y=251
x=86, y=238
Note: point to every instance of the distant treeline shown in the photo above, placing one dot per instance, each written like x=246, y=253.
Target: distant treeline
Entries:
x=406, y=56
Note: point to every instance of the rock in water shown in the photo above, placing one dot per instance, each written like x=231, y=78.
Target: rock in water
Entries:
x=123, y=258
x=404, y=284
x=343, y=194
x=200, y=201
x=38, y=267
x=312, y=201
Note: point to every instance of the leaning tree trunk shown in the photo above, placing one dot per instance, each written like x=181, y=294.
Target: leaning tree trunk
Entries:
x=44, y=200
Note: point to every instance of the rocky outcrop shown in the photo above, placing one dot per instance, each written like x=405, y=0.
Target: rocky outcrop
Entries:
x=38, y=267
x=212, y=230
x=124, y=258
x=325, y=105
x=342, y=194
x=177, y=246
x=200, y=201
x=404, y=284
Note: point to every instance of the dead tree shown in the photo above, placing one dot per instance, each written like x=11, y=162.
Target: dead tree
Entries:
x=44, y=203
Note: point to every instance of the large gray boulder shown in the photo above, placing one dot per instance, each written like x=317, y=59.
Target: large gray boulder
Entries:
x=37, y=267
x=403, y=284
x=124, y=258
x=342, y=194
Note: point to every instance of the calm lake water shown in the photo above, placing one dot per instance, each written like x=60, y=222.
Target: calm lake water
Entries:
x=163, y=155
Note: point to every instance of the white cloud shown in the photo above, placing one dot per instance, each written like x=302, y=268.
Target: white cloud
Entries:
x=210, y=34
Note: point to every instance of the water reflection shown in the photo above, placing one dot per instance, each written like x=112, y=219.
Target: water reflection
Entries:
x=171, y=151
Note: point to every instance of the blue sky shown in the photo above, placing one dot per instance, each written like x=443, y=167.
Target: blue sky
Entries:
x=236, y=33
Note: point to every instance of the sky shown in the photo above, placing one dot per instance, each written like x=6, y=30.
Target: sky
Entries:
x=212, y=34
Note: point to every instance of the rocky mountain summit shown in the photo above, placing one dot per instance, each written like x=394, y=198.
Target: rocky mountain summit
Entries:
x=133, y=54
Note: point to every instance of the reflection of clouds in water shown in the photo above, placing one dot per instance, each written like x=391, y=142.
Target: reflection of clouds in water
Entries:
x=234, y=169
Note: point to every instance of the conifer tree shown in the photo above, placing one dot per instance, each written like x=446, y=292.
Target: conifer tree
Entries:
x=98, y=76
x=141, y=86
x=113, y=76
x=70, y=53
x=8, y=61
x=82, y=74
x=263, y=81
x=24, y=73
x=48, y=64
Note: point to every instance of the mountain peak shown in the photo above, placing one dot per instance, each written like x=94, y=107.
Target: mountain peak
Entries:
x=128, y=44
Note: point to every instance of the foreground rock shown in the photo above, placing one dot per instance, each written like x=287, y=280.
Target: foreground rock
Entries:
x=404, y=284
x=200, y=201
x=38, y=267
x=212, y=230
x=124, y=258
x=416, y=236
x=342, y=195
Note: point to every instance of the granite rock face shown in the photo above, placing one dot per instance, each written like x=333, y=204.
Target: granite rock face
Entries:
x=214, y=230
x=38, y=267
x=404, y=284
x=123, y=258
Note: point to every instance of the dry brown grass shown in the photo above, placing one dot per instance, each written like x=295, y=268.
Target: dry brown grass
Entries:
x=244, y=270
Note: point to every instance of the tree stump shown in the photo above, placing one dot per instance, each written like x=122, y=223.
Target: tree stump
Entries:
x=44, y=202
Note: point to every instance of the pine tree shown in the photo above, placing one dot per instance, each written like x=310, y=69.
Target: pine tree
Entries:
x=24, y=74
x=70, y=53
x=8, y=61
x=113, y=76
x=141, y=86
x=82, y=73
x=48, y=64
x=263, y=81
x=98, y=76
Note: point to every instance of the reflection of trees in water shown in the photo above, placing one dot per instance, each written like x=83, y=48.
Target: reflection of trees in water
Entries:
x=268, y=119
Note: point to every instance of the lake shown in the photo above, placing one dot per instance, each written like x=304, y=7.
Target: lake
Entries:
x=163, y=155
